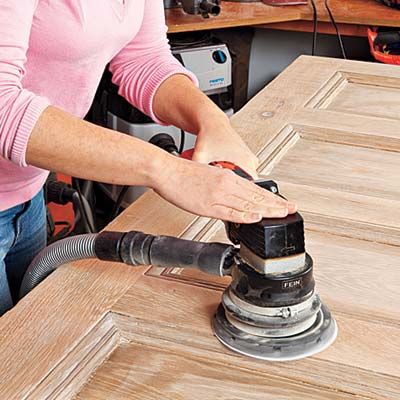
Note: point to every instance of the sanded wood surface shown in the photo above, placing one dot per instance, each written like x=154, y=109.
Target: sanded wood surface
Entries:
x=351, y=12
x=96, y=331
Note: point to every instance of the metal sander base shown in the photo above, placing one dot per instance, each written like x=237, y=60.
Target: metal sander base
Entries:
x=313, y=340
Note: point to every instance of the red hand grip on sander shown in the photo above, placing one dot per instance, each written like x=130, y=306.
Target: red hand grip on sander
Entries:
x=188, y=154
x=262, y=182
x=232, y=167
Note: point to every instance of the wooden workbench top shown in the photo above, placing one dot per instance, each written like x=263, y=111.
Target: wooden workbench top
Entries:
x=328, y=131
x=232, y=15
x=355, y=12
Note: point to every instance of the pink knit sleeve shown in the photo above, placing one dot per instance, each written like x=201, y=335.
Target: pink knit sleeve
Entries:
x=19, y=108
x=146, y=62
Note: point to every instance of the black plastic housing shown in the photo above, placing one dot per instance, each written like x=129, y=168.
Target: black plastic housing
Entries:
x=271, y=237
x=273, y=291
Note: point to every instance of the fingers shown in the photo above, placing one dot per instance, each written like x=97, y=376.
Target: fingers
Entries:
x=240, y=200
x=232, y=215
x=227, y=213
x=272, y=198
x=264, y=208
x=255, y=194
x=262, y=195
x=218, y=193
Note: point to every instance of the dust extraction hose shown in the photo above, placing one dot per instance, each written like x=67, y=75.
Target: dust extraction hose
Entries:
x=132, y=248
x=57, y=254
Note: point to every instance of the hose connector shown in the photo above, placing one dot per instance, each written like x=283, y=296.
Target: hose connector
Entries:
x=138, y=248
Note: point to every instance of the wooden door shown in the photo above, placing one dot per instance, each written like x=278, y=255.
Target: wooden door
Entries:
x=328, y=131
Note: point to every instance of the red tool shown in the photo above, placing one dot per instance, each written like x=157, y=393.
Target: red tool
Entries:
x=232, y=167
x=188, y=154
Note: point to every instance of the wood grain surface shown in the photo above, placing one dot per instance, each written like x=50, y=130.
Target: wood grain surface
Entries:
x=345, y=177
x=350, y=12
x=120, y=378
x=94, y=330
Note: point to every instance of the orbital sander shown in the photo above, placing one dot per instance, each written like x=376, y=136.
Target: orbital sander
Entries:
x=270, y=310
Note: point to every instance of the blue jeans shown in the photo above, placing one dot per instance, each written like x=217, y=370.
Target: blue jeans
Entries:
x=22, y=236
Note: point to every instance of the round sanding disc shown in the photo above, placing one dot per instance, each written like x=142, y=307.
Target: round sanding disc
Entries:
x=314, y=340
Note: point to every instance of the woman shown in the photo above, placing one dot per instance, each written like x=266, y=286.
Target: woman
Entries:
x=52, y=55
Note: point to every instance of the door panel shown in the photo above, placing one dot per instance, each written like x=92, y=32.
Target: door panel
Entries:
x=367, y=100
x=360, y=94
x=343, y=182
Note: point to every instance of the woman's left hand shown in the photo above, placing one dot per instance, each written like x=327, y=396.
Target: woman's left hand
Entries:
x=218, y=141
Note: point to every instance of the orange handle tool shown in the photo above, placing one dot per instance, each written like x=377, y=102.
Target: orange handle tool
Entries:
x=232, y=167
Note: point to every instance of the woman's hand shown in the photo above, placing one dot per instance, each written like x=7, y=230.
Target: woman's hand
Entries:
x=217, y=193
x=218, y=141
x=195, y=186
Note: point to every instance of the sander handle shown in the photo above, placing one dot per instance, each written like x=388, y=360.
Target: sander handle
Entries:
x=232, y=167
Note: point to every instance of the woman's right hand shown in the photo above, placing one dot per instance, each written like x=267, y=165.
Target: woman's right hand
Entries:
x=217, y=193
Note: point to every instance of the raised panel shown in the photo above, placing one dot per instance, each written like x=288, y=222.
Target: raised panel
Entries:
x=360, y=94
x=345, y=180
x=346, y=168
x=368, y=100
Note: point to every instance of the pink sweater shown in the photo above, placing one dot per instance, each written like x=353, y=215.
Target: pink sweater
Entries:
x=54, y=53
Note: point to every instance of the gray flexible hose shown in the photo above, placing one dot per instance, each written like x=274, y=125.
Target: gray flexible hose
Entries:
x=59, y=253
x=132, y=248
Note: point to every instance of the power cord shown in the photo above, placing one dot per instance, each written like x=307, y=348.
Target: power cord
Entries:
x=118, y=203
x=182, y=143
x=315, y=28
x=84, y=208
x=339, y=36
x=62, y=234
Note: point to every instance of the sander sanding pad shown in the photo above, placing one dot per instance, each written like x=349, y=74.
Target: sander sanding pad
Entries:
x=305, y=344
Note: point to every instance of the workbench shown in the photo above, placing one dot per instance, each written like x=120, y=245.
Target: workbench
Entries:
x=328, y=132
x=352, y=15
